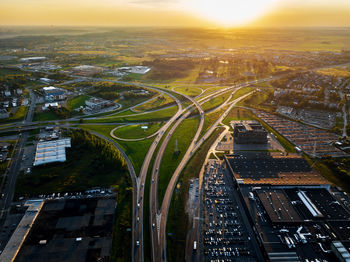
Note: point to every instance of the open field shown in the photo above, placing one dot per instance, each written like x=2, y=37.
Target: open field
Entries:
x=158, y=102
x=189, y=90
x=238, y=114
x=216, y=101
x=259, y=100
x=241, y=92
x=45, y=116
x=135, y=131
x=335, y=72
x=160, y=115
x=77, y=102
x=136, y=151
x=124, y=113
x=101, y=129
x=182, y=136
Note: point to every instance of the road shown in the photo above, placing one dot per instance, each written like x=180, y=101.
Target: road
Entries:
x=138, y=249
x=154, y=221
x=168, y=194
x=15, y=165
x=158, y=215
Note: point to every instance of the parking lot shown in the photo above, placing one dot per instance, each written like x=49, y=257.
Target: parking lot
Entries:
x=225, y=235
x=311, y=140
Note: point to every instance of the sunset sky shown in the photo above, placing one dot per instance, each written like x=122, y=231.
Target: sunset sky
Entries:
x=191, y=13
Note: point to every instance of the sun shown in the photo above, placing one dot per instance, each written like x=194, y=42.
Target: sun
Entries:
x=231, y=12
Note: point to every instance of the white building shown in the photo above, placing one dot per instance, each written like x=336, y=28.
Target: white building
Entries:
x=51, y=151
x=45, y=80
x=32, y=59
x=135, y=69
x=48, y=105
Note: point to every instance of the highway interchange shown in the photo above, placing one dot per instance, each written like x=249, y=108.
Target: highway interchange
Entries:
x=158, y=212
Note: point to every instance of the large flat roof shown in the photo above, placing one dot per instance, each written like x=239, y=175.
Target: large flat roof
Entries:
x=68, y=230
x=15, y=243
x=278, y=206
x=51, y=151
x=266, y=168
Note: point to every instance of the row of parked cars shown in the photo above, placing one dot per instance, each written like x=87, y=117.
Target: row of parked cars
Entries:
x=223, y=229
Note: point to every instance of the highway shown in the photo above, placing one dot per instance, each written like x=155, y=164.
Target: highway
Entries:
x=158, y=215
x=154, y=221
x=138, y=182
x=138, y=243
x=168, y=194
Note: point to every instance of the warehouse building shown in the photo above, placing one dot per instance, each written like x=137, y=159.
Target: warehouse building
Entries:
x=52, y=93
x=98, y=103
x=51, y=151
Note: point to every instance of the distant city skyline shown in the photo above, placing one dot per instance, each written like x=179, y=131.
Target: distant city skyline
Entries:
x=190, y=13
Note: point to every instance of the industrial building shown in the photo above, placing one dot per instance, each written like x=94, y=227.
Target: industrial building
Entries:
x=135, y=69
x=272, y=169
x=87, y=70
x=248, y=132
x=296, y=214
x=32, y=59
x=52, y=93
x=98, y=103
x=51, y=151
x=17, y=238
x=65, y=229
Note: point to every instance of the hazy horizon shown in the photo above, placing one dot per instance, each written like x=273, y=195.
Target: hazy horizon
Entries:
x=177, y=13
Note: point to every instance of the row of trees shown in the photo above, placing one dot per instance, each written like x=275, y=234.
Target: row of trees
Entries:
x=106, y=152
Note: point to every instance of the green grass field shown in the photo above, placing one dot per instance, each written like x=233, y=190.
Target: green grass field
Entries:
x=210, y=119
x=258, y=100
x=183, y=134
x=136, y=151
x=17, y=116
x=242, y=92
x=215, y=102
x=135, y=131
x=157, y=103
x=45, y=116
x=124, y=113
x=101, y=129
x=188, y=90
x=160, y=115
x=77, y=102
x=238, y=114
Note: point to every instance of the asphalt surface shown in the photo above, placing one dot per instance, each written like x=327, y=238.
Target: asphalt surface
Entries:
x=168, y=194
x=158, y=249
x=154, y=213
x=14, y=168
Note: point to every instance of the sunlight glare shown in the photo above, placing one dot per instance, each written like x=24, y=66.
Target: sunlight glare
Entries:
x=231, y=12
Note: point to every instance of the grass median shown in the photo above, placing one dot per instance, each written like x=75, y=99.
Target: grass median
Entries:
x=183, y=136
x=177, y=232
